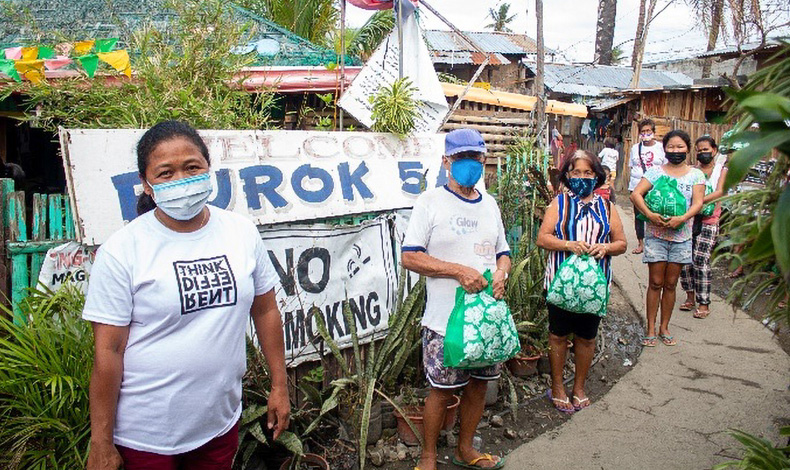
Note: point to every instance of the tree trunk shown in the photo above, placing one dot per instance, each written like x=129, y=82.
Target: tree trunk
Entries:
x=640, y=27
x=540, y=88
x=717, y=7
x=604, y=34
x=642, y=41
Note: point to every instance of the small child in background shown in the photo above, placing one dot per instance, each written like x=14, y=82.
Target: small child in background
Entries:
x=609, y=156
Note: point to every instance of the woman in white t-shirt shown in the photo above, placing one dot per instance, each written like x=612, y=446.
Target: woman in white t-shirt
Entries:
x=170, y=297
x=645, y=154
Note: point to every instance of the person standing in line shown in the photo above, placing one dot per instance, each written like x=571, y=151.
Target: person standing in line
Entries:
x=645, y=154
x=578, y=222
x=455, y=233
x=696, y=277
x=668, y=240
x=170, y=297
x=608, y=157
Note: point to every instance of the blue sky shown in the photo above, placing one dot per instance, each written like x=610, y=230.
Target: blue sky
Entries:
x=570, y=25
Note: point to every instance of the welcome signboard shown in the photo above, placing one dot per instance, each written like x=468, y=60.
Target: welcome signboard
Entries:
x=270, y=176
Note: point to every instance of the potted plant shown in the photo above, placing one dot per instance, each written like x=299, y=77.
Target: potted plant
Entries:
x=413, y=407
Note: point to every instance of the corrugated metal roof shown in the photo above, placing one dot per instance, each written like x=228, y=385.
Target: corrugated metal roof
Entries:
x=466, y=58
x=595, y=80
x=770, y=44
x=492, y=42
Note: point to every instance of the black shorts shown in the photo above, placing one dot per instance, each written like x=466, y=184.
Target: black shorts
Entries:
x=563, y=323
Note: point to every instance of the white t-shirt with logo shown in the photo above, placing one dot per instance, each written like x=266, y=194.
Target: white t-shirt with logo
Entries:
x=609, y=158
x=450, y=228
x=651, y=156
x=187, y=298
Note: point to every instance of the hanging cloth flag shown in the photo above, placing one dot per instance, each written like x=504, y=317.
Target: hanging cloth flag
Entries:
x=46, y=52
x=83, y=47
x=7, y=67
x=33, y=70
x=105, y=45
x=30, y=53
x=119, y=60
x=375, y=4
x=56, y=63
x=13, y=53
x=89, y=62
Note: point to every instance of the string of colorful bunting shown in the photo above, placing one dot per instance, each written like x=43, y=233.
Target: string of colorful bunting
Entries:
x=31, y=62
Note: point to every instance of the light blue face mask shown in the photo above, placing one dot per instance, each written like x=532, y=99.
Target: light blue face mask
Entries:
x=466, y=172
x=183, y=199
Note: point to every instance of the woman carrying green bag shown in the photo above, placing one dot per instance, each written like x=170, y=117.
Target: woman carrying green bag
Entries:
x=579, y=228
x=668, y=239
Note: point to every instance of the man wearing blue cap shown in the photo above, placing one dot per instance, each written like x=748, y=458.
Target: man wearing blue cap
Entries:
x=455, y=233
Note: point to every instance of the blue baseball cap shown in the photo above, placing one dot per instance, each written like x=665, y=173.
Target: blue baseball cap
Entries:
x=463, y=140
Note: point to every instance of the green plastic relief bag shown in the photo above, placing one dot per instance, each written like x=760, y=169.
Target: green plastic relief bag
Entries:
x=580, y=286
x=708, y=209
x=665, y=199
x=481, y=331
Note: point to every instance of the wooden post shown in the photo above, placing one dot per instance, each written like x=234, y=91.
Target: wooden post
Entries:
x=39, y=234
x=19, y=267
x=6, y=188
x=540, y=88
x=342, y=58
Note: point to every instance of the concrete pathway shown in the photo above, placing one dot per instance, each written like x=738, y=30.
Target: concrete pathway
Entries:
x=672, y=410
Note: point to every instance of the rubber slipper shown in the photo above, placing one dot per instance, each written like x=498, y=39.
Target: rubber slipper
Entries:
x=701, y=314
x=581, y=401
x=555, y=401
x=668, y=340
x=686, y=306
x=649, y=341
x=473, y=463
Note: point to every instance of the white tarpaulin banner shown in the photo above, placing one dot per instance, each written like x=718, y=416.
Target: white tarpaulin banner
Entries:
x=321, y=267
x=67, y=262
x=269, y=176
x=382, y=70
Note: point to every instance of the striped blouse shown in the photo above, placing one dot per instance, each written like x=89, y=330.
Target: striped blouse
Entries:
x=579, y=221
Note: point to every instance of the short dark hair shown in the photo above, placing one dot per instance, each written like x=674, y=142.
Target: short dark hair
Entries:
x=609, y=143
x=677, y=133
x=162, y=132
x=708, y=139
x=568, y=165
x=647, y=122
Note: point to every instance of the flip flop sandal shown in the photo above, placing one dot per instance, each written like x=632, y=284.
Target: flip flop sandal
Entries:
x=581, y=401
x=473, y=463
x=686, y=306
x=701, y=314
x=668, y=340
x=558, y=401
x=649, y=341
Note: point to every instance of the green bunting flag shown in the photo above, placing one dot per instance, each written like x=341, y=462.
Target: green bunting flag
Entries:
x=7, y=67
x=89, y=62
x=105, y=45
x=46, y=52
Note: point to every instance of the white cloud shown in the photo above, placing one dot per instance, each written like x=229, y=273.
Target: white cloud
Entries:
x=569, y=25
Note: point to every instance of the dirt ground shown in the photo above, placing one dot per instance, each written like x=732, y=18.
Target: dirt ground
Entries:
x=721, y=287
x=617, y=352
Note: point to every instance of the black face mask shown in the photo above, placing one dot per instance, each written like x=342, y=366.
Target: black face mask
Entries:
x=676, y=158
x=705, y=157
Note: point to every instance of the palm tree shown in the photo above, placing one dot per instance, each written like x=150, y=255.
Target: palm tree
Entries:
x=361, y=42
x=500, y=18
x=604, y=34
x=710, y=14
x=313, y=20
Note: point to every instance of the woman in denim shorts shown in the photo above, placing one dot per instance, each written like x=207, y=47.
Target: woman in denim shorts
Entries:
x=668, y=243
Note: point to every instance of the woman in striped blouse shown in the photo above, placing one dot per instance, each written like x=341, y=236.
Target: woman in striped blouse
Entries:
x=579, y=222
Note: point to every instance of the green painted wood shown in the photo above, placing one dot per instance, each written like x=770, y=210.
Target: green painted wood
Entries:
x=6, y=188
x=70, y=234
x=56, y=217
x=19, y=266
x=27, y=248
x=39, y=234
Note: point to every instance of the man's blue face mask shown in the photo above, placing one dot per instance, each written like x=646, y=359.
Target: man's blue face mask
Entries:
x=466, y=171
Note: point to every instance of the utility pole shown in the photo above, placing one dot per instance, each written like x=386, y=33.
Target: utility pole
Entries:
x=540, y=89
x=639, y=52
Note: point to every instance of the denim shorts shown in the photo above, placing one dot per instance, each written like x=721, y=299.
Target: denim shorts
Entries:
x=440, y=376
x=658, y=250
